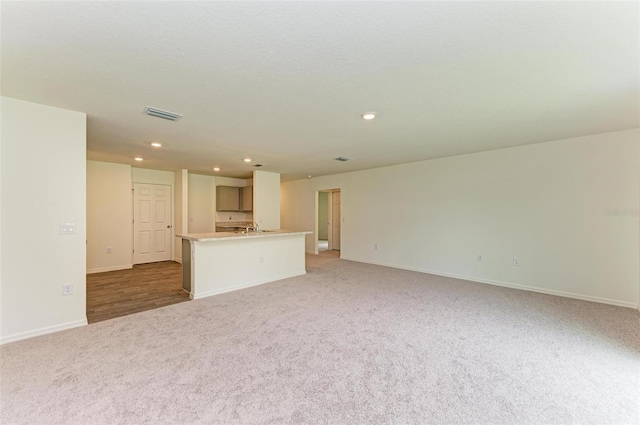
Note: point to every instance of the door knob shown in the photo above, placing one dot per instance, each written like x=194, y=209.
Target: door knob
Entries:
x=169, y=227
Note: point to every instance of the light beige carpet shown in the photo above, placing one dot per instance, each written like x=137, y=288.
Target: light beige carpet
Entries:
x=348, y=343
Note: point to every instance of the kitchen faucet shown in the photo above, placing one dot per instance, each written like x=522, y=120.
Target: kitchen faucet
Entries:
x=253, y=227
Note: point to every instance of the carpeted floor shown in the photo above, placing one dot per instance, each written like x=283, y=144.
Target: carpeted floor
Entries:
x=348, y=343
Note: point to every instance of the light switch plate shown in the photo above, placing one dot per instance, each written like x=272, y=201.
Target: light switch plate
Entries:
x=67, y=228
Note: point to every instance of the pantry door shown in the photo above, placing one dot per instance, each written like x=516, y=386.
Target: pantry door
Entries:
x=151, y=223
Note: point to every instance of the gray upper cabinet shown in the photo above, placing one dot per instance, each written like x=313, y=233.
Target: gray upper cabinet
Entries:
x=246, y=199
x=227, y=198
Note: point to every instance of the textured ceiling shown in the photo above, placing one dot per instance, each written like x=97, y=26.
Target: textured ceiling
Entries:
x=285, y=83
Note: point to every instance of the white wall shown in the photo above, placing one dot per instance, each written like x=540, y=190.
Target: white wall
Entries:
x=144, y=175
x=230, y=181
x=266, y=199
x=297, y=200
x=110, y=212
x=109, y=216
x=181, y=211
x=549, y=205
x=1, y=180
x=43, y=179
x=202, y=199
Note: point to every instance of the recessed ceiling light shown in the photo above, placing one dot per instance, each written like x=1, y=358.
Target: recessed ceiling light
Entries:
x=368, y=116
x=216, y=168
x=156, y=144
x=247, y=160
x=309, y=176
x=137, y=158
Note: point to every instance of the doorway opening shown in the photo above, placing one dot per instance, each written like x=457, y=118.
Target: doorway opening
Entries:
x=328, y=223
x=323, y=221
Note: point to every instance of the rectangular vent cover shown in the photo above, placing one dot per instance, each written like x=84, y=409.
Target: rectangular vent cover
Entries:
x=166, y=115
x=341, y=159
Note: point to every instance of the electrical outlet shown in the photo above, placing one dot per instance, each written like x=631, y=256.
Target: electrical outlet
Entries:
x=67, y=228
x=479, y=258
x=108, y=250
x=516, y=262
x=375, y=246
x=261, y=259
x=67, y=289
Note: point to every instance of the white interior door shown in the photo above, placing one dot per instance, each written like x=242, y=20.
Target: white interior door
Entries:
x=335, y=220
x=151, y=223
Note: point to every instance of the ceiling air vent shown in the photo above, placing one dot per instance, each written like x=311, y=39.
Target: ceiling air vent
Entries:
x=341, y=159
x=166, y=115
x=258, y=165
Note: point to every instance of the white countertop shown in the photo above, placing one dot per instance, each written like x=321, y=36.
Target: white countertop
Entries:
x=220, y=236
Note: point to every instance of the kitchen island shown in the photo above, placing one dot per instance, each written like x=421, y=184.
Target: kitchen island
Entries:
x=215, y=263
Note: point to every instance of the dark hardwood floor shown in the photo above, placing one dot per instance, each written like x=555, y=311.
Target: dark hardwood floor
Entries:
x=123, y=292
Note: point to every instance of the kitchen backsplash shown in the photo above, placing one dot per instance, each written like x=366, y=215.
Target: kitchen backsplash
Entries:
x=227, y=224
x=233, y=216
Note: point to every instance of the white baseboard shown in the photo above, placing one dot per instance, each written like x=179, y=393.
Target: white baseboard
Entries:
x=246, y=285
x=43, y=331
x=177, y=260
x=110, y=269
x=506, y=284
